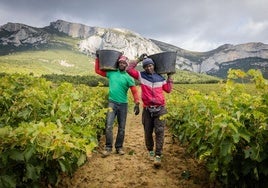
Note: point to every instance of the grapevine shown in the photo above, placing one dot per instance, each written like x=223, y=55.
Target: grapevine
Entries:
x=227, y=130
x=46, y=129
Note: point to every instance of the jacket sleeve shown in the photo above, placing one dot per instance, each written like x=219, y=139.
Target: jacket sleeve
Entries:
x=135, y=94
x=132, y=71
x=97, y=68
x=167, y=87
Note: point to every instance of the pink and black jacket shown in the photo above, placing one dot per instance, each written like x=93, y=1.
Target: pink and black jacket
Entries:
x=152, y=86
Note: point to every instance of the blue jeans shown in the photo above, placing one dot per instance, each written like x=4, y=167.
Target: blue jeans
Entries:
x=119, y=110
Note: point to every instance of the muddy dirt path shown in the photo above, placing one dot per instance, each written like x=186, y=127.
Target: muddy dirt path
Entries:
x=134, y=169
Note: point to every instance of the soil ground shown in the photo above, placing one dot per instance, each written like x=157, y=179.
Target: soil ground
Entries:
x=134, y=169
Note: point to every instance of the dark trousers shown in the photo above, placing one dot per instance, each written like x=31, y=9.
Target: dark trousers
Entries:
x=118, y=110
x=152, y=124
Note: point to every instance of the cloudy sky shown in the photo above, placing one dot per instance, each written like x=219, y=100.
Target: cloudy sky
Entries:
x=197, y=25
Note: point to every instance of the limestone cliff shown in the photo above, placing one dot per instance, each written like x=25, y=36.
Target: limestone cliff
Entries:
x=215, y=62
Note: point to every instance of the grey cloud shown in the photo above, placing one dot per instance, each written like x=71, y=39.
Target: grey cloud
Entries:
x=198, y=25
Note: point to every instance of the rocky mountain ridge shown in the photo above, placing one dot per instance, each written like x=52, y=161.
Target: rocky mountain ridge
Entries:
x=19, y=34
x=215, y=62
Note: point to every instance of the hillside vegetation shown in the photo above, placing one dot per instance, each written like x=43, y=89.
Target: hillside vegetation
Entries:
x=72, y=63
x=47, y=62
x=61, y=56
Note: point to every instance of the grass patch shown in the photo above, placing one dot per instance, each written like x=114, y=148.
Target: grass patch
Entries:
x=47, y=62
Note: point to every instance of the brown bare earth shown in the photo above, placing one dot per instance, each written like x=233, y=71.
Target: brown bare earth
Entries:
x=134, y=169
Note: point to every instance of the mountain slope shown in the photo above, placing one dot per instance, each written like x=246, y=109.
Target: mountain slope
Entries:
x=217, y=62
x=79, y=38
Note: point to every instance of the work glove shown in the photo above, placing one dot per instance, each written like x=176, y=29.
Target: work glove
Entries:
x=97, y=53
x=142, y=57
x=170, y=73
x=136, y=109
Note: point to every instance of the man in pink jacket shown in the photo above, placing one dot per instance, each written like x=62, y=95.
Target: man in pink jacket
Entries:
x=153, y=86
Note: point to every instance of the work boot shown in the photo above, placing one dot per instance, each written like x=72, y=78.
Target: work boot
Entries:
x=106, y=153
x=151, y=155
x=120, y=151
x=157, y=161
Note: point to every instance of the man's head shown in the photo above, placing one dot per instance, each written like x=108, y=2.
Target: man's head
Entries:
x=122, y=63
x=148, y=65
x=146, y=62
